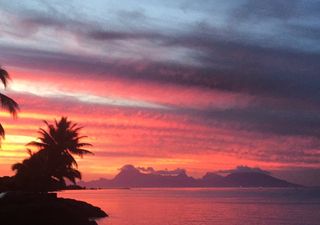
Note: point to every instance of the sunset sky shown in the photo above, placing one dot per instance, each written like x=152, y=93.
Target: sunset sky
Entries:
x=199, y=85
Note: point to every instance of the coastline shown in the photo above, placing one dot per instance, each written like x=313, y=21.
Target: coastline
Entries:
x=25, y=208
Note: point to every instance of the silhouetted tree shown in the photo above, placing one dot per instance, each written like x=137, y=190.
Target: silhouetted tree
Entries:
x=7, y=103
x=54, y=162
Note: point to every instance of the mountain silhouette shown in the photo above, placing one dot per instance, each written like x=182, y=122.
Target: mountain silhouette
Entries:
x=132, y=177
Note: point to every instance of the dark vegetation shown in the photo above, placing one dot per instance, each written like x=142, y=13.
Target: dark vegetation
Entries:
x=49, y=168
x=31, y=208
x=25, y=197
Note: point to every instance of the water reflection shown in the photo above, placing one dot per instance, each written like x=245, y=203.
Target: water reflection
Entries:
x=221, y=206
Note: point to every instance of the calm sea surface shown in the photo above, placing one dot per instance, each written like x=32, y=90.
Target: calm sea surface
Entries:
x=212, y=206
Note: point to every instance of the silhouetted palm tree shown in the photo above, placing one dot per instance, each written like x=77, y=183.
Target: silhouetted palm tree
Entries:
x=62, y=138
x=7, y=103
x=54, y=161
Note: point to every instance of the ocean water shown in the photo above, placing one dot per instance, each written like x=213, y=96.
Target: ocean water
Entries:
x=204, y=206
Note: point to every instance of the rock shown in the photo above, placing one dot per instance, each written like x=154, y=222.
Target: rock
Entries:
x=20, y=208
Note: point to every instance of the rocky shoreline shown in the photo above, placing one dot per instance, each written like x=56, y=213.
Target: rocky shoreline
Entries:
x=24, y=208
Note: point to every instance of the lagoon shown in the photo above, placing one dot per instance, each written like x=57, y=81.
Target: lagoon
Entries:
x=204, y=206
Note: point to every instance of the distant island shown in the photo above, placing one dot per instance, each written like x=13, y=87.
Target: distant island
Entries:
x=130, y=176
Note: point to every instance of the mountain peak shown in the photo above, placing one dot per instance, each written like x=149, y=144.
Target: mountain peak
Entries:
x=210, y=175
x=256, y=179
x=129, y=176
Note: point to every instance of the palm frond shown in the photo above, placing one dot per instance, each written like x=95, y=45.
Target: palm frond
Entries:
x=4, y=77
x=79, y=145
x=2, y=132
x=85, y=151
x=9, y=104
x=46, y=137
x=37, y=144
x=71, y=174
x=30, y=153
